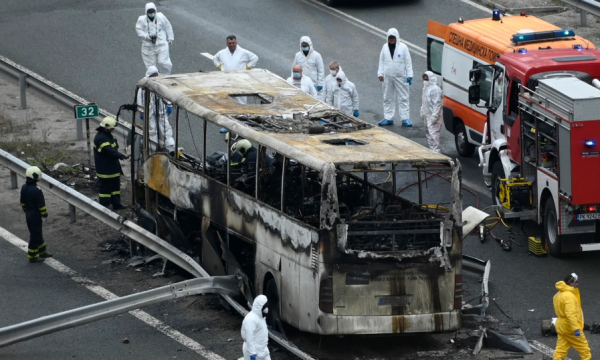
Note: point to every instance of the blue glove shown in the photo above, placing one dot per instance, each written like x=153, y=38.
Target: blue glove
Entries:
x=356, y=113
x=319, y=88
x=577, y=333
x=169, y=110
x=253, y=357
x=409, y=81
x=141, y=116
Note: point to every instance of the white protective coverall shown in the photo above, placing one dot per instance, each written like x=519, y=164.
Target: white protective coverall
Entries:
x=312, y=63
x=328, y=86
x=304, y=83
x=155, y=54
x=344, y=96
x=241, y=59
x=160, y=118
x=255, y=333
x=431, y=112
x=395, y=69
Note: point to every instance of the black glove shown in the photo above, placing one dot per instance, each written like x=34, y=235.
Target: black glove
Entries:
x=153, y=39
x=124, y=157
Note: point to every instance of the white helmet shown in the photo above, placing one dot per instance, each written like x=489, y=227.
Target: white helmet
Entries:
x=34, y=173
x=108, y=123
x=243, y=146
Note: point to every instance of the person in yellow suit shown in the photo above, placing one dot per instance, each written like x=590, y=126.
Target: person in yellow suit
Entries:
x=569, y=326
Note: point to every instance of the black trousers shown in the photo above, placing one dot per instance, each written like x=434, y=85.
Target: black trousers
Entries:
x=37, y=245
x=110, y=191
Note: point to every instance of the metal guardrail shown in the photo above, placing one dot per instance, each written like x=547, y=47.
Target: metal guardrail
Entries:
x=13, y=334
x=58, y=93
x=134, y=232
x=585, y=7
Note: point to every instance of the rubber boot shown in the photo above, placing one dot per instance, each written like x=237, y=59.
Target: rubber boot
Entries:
x=37, y=260
x=46, y=255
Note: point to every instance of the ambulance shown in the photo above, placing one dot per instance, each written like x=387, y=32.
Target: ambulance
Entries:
x=454, y=50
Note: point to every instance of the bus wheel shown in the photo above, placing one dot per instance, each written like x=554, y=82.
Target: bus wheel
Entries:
x=551, y=228
x=497, y=174
x=461, y=141
x=273, y=317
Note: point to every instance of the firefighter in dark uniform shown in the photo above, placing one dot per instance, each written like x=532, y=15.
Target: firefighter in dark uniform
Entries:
x=108, y=168
x=34, y=205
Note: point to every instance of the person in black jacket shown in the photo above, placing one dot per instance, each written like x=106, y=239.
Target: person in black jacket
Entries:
x=108, y=168
x=34, y=205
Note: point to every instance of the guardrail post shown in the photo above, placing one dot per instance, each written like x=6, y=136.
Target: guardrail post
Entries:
x=583, y=15
x=79, y=129
x=72, y=213
x=23, y=88
x=13, y=180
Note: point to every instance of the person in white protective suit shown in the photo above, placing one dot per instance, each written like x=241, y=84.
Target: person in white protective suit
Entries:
x=312, y=64
x=159, y=128
x=302, y=82
x=157, y=34
x=234, y=57
x=330, y=82
x=431, y=111
x=344, y=95
x=254, y=331
x=396, y=73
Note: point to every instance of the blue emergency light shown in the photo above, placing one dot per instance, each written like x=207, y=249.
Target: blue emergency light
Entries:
x=590, y=143
x=522, y=51
x=542, y=36
x=496, y=15
x=577, y=47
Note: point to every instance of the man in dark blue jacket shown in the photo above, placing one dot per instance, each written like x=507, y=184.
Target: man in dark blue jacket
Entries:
x=108, y=168
x=34, y=205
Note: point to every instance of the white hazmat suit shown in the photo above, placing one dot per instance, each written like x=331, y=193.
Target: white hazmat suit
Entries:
x=344, y=95
x=255, y=333
x=431, y=112
x=304, y=83
x=241, y=59
x=312, y=63
x=159, y=128
x=328, y=86
x=395, y=68
x=156, y=54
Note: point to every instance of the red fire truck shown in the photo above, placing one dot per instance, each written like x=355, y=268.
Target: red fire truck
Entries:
x=541, y=148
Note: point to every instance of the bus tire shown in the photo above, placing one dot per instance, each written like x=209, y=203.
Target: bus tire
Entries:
x=461, y=141
x=551, y=228
x=497, y=174
x=273, y=296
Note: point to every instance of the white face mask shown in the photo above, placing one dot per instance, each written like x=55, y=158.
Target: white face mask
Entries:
x=266, y=310
x=425, y=83
x=333, y=72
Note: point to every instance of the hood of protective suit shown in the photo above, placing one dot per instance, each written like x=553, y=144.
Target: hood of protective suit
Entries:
x=258, y=304
x=432, y=77
x=393, y=32
x=149, y=6
x=307, y=40
x=341, y=75
x=562, y=286
x=151, y=70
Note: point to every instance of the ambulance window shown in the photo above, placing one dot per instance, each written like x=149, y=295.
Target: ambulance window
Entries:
x=435, y=50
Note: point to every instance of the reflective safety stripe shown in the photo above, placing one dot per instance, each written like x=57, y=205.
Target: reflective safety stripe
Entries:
x=33, y=251
x=23, y=204
x=104, y=195
x=116, y=193
x=43, y=208
x=234, y=164
x=33, y=256
x=102, y=176
x=44, y=213
x=42, y=246
x=103, y=145
x=244, y=160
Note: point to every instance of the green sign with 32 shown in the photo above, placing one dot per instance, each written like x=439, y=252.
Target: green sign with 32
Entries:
x=86, y=111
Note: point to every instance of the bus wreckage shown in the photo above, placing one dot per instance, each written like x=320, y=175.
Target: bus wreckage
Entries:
x=346, y=227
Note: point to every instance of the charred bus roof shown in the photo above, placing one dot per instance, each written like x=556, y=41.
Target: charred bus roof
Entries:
x=284, y=118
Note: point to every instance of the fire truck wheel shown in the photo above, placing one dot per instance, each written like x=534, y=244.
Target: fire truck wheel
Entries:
x=461, y=141
x=551, y=228
x=497, y=174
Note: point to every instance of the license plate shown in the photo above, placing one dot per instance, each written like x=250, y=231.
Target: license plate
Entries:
x=401, y=300
x=592, y=216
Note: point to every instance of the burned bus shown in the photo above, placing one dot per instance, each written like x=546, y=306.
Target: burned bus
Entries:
x=347, y=228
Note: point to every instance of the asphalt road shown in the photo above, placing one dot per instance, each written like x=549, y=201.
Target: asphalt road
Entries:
x=90, y=48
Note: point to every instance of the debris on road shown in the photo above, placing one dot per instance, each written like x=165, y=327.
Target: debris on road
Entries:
x=125, y=341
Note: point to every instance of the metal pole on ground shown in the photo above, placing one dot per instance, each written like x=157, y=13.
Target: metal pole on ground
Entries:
x=583, y=15
x=72, y=213
x=87, y=134
x=13, y=180
x=23, y=88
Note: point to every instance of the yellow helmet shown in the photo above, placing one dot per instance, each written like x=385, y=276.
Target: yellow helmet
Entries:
x=243, y=146
x=108, y=123
x=34, y=173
